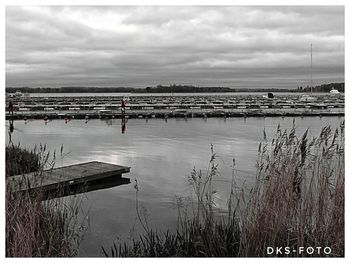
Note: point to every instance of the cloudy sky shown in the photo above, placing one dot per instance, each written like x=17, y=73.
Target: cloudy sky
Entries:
x=205, y=46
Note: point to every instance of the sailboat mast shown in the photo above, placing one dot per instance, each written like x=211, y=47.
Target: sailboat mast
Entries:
x=311, y=82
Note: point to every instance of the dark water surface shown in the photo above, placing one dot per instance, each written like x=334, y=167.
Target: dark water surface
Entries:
x=161, y=156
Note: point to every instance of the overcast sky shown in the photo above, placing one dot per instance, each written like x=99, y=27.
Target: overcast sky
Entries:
x=205, y=46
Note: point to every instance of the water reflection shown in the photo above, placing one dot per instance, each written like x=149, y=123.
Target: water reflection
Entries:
x=104, y=183
x=11, y=129
x=123, y=124
x=66, y=119
x=11, y=121
x=109, y=122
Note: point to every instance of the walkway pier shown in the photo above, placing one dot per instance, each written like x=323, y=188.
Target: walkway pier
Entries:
x=70, y=179
x=194, y=106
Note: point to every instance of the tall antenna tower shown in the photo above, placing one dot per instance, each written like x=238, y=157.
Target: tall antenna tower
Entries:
x=311, y=82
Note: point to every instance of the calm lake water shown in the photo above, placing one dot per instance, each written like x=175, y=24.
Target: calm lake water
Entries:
x=161, y=156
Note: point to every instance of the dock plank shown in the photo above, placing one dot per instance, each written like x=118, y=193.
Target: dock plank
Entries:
x=66, y=176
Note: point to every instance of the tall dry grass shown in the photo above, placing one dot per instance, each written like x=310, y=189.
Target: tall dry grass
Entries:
x=297, y=201
x=37, y=228
x=20, y=160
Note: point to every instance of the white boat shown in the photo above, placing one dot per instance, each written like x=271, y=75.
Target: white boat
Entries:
x=17, y=94
x=307, y=98
x=334, y=91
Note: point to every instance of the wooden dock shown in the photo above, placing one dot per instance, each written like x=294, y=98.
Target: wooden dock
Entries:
x=71, y=179
x=164, y=114
x=168, y=106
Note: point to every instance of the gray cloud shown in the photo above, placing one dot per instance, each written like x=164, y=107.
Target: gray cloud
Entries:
x=237, y=46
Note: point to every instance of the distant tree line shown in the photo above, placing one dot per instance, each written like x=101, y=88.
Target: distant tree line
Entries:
x=73, y=89
x=185, y=88
x=156, y=89
x=194, y=89
x=169, y=89
x=323, y=88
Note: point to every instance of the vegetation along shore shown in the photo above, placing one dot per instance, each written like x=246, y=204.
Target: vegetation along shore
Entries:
x=297, y=202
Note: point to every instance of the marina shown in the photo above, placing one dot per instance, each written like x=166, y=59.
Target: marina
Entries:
x=175, y=131
x=147, y=106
